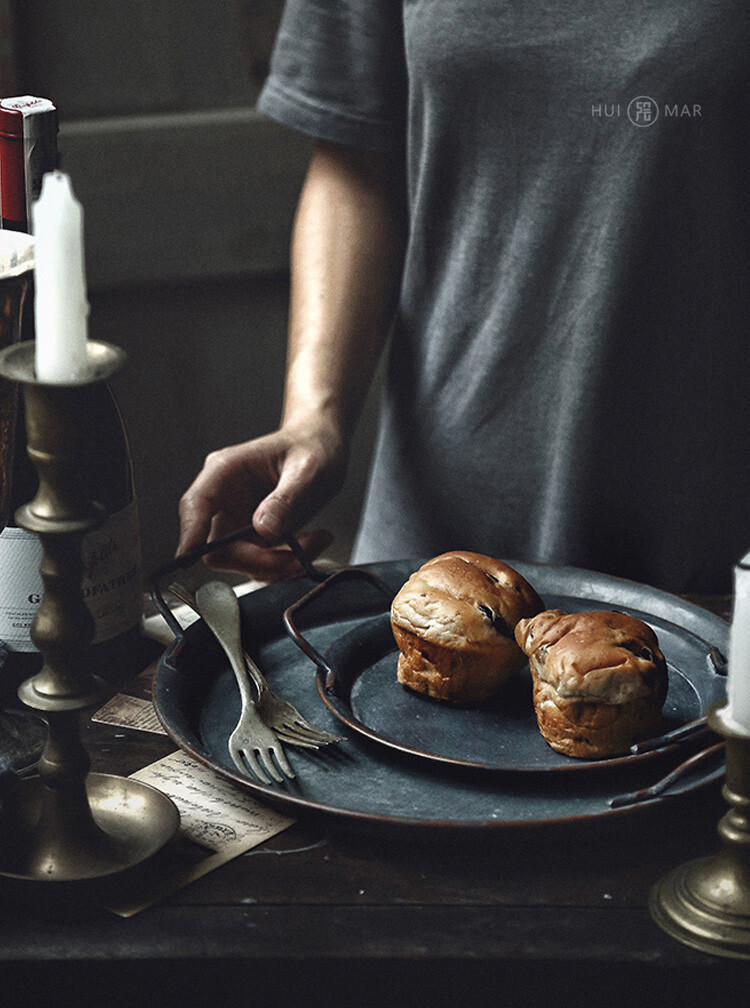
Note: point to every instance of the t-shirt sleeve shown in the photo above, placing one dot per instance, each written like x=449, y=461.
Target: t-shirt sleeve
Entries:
x=337, y=72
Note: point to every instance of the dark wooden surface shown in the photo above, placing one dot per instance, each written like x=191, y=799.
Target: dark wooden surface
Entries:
x=544, y=915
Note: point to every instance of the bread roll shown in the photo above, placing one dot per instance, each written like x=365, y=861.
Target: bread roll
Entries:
x=454, y=622
x=600, y=680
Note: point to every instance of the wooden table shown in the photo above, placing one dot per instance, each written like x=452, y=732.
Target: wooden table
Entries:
x=545, y=915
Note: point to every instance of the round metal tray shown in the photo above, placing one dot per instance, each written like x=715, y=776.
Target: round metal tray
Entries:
x=360, y=688
x=362, y=779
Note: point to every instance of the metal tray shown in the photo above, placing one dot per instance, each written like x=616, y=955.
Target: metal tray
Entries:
x=358, y=685
x=364, y=781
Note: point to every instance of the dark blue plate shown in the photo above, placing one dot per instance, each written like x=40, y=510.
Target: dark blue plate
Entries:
x=360, y=687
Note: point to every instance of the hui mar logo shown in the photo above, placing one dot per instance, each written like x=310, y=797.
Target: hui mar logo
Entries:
x=644, y=111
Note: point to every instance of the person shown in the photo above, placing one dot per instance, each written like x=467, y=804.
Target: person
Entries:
x=542, y=209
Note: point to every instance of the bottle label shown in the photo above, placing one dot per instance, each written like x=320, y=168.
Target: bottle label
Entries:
x=21, y=586
x=111, y=582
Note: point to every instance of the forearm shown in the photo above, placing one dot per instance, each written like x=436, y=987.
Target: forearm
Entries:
x=346, y=257
x=347, y=251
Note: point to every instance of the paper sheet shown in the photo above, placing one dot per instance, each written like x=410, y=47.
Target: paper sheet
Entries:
x=125, y=711
x=217, y=823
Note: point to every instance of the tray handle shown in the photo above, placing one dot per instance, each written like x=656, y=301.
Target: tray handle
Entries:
x=178, y=563
x=323, y=578
x=342, y=574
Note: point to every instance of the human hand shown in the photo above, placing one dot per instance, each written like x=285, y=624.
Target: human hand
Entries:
x=276, y=483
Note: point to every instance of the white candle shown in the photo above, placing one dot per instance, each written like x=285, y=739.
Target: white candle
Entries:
x=737, y=711
x=60, y=304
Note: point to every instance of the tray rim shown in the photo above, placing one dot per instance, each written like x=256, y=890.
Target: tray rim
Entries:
x=276, y=597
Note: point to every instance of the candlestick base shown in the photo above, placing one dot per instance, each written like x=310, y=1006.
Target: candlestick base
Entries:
x=129, y=823
x=706, y=903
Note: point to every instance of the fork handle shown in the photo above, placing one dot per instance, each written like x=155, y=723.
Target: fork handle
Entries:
x=261, y=683
x=217, y=604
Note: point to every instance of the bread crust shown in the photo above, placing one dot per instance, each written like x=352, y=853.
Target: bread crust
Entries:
x=454, y=623
x=600, y=680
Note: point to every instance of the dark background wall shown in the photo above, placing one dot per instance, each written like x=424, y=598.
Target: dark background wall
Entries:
x=188, y=196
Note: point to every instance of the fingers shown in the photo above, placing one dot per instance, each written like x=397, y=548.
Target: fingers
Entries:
x=195, y=525
x=279, y=512
x=304, y=485
x=277, y=483
x=197, y=508
x=269, y=563
x=274, y=516
x=196, y=513
x=226, y=486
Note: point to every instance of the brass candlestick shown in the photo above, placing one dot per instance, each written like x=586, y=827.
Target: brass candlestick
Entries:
x=69, y=825
x=706, y=903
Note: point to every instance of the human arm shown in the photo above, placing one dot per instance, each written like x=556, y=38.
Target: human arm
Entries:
x=346, y=258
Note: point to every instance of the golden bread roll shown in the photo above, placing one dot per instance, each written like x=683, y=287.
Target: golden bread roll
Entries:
x=600, y=680
x=454, y=621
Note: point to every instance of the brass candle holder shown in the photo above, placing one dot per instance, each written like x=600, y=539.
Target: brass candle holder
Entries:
x=68, y=824
x=706, y=903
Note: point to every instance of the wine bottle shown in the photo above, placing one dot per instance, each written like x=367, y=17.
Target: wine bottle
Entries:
x=19, y=550
x=112, y=581
x=16, y=266
x=26, y=124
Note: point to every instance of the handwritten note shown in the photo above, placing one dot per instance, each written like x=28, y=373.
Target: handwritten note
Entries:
x=217, y=823
x=213, y=812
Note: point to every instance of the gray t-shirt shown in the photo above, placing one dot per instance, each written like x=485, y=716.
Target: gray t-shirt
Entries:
x=569, y=374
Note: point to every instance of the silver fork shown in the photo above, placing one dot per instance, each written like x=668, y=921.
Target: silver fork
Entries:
x=217, y=600
x=283, y=716
x=252, y=744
